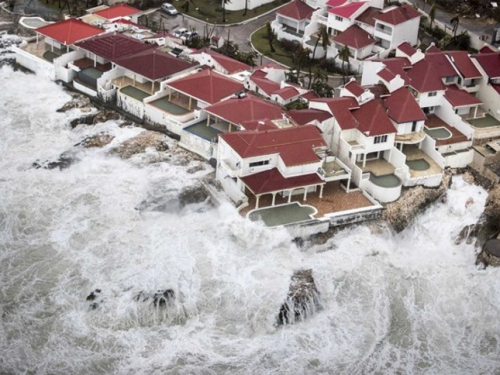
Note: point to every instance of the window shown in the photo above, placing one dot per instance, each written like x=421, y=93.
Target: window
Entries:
x=450, y=79
x=433, y=93
x=380, y=139
x=338, y=18
x=259, y=163
x=414, y=126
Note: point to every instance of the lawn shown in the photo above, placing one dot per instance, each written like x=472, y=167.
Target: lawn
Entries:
x=211, y=11
x=261, y=44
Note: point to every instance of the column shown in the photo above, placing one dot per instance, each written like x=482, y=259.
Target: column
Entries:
x=321, y=191
x=257, y=201
x=348, y=184
x=364, y=160
x=305, y=194
x=189, y=105
x=475, y=111
x=274, y=199
x=290, y=196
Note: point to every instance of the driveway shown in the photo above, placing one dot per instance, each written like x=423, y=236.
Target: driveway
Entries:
x=238, y=34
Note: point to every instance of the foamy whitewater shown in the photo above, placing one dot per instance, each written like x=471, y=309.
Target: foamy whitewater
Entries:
x=412, y=303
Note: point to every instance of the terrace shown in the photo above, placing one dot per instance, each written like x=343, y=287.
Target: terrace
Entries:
x=204, y=131
x=420, y=164
x=443, y=133
x=335, y=199
x=42, y=50
x=378, y=167
x=148, y=88
x=88, y=71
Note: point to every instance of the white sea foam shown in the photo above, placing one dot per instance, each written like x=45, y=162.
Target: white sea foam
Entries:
x=393, y=304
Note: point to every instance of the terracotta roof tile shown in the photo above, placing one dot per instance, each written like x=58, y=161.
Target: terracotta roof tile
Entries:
x=207, y=86
x=117, y=11
x=464, y=64
x=273, y=180
x=355, y=37
x=341, y=108
x=154, y=64
x=407, y=49
x=355, y=88
x=297, y=10
x=367, y=16
x=69, y=31
x=296, y=146
x=460, y=98
x=398, y=15
x=114, y=46
x=307, y=116
x=231, y=65
x=249, y=108
x=441, y=64
x=336, y=3
x=372, y=119
x=287, y=92
x=490, y=62
x=347, y=10
x=425, y=78
x=402, y=107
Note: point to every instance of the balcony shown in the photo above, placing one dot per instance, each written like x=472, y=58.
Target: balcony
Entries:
x=230, y=167
x=411, y=138
x=333, y=170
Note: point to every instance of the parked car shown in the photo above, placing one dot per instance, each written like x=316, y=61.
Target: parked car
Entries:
x=188, y=35
x=180, y=32
x=169, y=9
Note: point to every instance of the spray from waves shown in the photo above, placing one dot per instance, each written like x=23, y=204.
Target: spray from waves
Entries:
x=407, y=303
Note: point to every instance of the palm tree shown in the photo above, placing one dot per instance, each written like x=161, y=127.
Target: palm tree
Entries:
x=454, y=23
x=224, y=2
x=344, y=54
x=270, y=36
x=432, y=14
x=246, y=8
x=325, y=42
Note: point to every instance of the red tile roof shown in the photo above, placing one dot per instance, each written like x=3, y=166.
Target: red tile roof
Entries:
x=207, y=86
x=464, y=64
x=311, y=95
x=398, y=15
x=394, y=66
x=407, y=49
x=441, y=64
x=432, y=49
x=272, y=180
x=259, y=78
x=307, y=116
x=154, y=64
x=263, y=124
x=249, y=108
x=117, y=11
x=296, y=146
x=355, y=37
x=487, y=49
x=490, y=62
x=355, y=88
x=386, y=75
x=425, y=78
x=460, y=98
x=297, y=10
x=402, y=107
x=287, y=92
x=128, y=22
x=336, y=3
x=373, y=120
x=231, y=65
x=367, y=16
x=347, y=10
x=341, y=109
x=114, y=46
x=69, y=31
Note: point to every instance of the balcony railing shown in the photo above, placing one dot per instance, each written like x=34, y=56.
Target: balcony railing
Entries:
x=384, y=31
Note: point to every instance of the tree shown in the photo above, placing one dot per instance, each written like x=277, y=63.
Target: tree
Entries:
x=246, y=8
x=454, y=23
x=270, y=36
x=325, y=42
x=224, y=2
x=301, y=58
x=432, y=14
x=320, y=84
x=344, y=55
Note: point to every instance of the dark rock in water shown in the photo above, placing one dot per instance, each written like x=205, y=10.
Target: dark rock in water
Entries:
x=467, y=233
x=77, y=101
x=160, y=204
x=140, y=143
x=87, y=120
x=105, y=115
x=93, y=306
x=96, y=140
x=490, y=255
x=64, y=161
x=193, y=194
x=93, y=295
x=141, y=296
x=302, y=301
x=213, y=162
x=162, y=297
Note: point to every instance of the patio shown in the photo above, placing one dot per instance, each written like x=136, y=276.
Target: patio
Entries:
x=41, y=50
x=170, y=106
x=413, y=153
x=203, y=131
x=378, y=167
x=125, y=81
x=434, y=123
x=335, y=199
x=135, y=93
x=484, y=122
x=283, y=215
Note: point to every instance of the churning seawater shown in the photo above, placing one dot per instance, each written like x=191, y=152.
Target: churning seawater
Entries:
x=412, y=303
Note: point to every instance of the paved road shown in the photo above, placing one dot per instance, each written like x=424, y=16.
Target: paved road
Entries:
x=238, y=34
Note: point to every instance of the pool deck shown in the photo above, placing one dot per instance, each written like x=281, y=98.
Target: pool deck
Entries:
x=169, y=106
x=203, y=131
x=378, y=167
x=126, y=81
x=134, y=92
x=433, y=122
x=335, y=199
x=412, y=152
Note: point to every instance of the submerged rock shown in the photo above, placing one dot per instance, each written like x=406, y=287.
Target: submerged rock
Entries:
x=490, y=255
x=77, y=101
x=302, y=301
x=467, y=233
x=193, y=194
x=65, y=160
x=96, y=140
x=160, y=298
x=401, y=213
x=105, y=115
x=140, y=143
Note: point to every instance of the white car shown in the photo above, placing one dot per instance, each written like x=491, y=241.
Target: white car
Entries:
x=169, y=9
x=180, y=32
